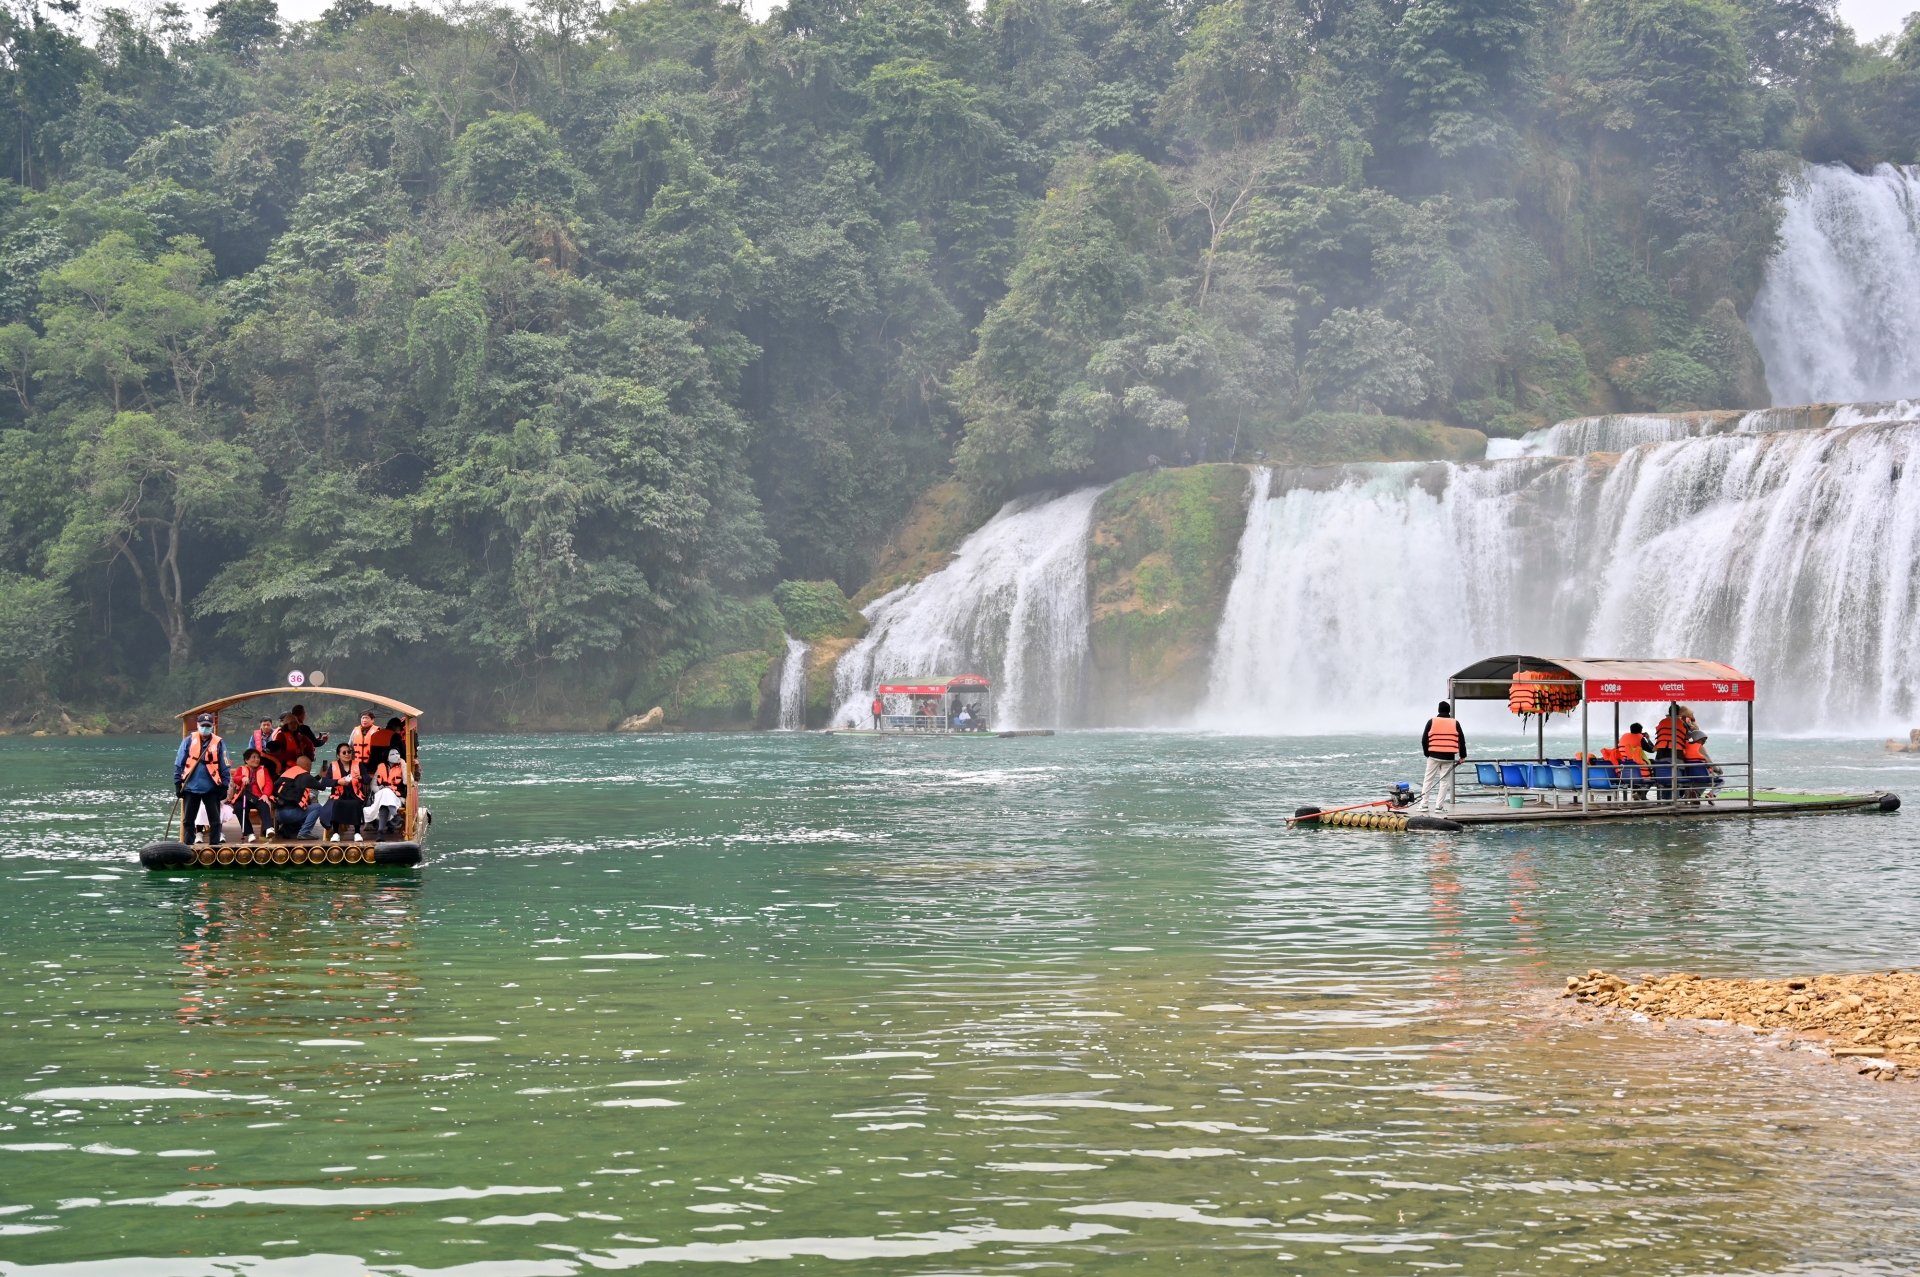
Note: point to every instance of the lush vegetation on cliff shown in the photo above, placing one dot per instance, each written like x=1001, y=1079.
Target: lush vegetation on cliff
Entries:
x=519, y=355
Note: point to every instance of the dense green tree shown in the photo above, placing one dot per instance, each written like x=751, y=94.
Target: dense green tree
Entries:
x=523, y=351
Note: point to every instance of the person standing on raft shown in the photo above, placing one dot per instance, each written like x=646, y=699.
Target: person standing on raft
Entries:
x=1444, y=742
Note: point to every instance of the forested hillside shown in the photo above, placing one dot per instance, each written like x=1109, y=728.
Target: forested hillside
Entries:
x=509, y=360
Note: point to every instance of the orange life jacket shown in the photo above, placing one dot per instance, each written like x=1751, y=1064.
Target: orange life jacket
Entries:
x=360, y=744
x=1694, y=751
x=346, y=779
x=1663, y=736
x=296, y=770
x=193, y=759
x=251, y=782
x=1443, y=736
x=1633, y=746
x=392, y=775
x=879, y=706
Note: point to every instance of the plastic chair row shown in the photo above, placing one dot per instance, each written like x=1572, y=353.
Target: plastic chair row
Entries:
x=1555, y=773
x=1564, y=774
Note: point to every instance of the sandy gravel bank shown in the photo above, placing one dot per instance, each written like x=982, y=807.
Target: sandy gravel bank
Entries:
x=1869, y=1018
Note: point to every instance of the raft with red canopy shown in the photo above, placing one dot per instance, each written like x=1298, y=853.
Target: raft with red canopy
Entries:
x=1680, y=780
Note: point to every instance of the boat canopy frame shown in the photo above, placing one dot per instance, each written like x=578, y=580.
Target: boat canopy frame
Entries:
x=1615, y=681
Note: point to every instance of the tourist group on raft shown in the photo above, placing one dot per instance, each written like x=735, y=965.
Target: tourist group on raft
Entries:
x=276, y=788
x=1444, y=742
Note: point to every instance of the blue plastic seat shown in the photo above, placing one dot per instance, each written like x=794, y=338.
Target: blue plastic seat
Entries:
x=1565, y=777
x=1600, y=776
x=1489, y=773
x=1539, y=776
x=1514, y=775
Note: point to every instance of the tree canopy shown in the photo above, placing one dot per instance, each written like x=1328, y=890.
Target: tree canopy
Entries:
x=523, y=352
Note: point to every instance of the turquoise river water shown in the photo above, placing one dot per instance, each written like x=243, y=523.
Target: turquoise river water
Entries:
x=1078, y=1004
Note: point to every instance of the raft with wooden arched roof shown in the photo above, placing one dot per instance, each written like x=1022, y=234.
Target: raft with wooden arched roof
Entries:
x=307, y=853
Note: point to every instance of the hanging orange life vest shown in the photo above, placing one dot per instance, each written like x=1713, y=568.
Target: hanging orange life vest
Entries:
x=1443, y=737
x=212, y=758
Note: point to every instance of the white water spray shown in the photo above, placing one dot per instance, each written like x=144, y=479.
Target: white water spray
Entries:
x=1838, y=315
x=793, y=686
x=1011, y=605
x=1791, y=555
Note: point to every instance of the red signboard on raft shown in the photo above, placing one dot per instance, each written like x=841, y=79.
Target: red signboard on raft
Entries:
x=1669, y=689
x=913, y=689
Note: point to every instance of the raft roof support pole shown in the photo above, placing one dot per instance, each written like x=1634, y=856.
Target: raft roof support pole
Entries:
x=1585, y=752
x=1673, y=754
x=1749, y=753
x=1540, y=748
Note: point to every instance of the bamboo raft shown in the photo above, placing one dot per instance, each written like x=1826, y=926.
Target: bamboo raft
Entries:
x=306, y=854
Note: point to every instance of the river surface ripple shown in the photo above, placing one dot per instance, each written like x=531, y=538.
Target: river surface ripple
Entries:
x=939, y=1006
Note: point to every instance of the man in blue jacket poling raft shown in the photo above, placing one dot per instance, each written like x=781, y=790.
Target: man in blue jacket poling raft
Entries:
x=1444, y=742
x=200, y=775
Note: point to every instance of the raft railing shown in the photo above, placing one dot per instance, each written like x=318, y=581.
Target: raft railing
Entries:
x=1658, y=783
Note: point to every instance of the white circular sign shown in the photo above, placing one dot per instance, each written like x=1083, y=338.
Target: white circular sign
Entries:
x=317, y=679
x=296, y=679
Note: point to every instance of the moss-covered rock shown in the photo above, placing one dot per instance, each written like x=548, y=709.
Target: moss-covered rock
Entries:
x=1326, y=438
x=816, y=610
x=722, y=694
x=822, y=660
x=1160, y=560
x=925, y=540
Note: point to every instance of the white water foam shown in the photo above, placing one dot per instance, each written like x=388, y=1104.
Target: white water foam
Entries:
x=1011, y=605
x=1837, y=317
x=793, y=686
x=1789, y=555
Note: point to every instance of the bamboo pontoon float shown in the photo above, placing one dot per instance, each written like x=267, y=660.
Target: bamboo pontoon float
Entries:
x=1589, y=787
x=307, y=853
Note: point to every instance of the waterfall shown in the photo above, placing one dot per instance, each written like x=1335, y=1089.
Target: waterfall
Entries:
x=793, y=686
x=1838, y=313
x=1794, y=555
x=1012, y=604
x=1578, y=436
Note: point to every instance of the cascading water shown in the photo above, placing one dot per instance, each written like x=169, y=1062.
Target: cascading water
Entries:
x=1838, y=314
x=1793, y=555
x=1011, y=605
x=793, y=686
x=1578, y=436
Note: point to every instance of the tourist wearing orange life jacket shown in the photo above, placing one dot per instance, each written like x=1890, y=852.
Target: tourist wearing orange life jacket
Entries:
x=252, y=791
x=1634, y=746
x=200, y=770
x=389, y=793
x=1444, y=742
x=292, y=793
x=360, y=744
x=346, y=807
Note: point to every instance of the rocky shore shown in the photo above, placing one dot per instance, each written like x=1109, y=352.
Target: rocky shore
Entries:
x=1871, y=1019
